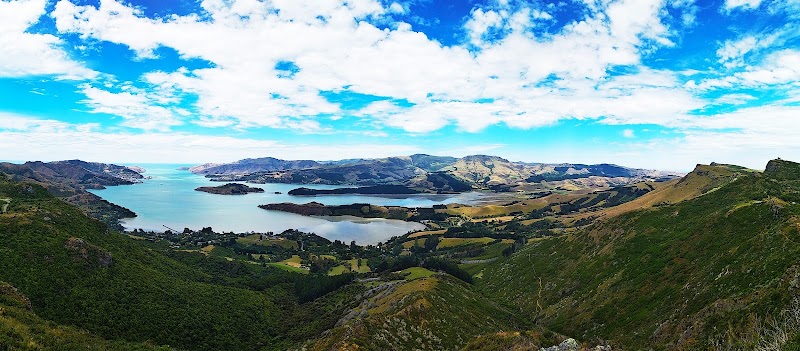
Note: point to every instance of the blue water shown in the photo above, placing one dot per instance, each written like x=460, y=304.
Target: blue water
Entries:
x=169, y=199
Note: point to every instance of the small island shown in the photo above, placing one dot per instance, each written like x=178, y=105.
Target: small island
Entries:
x=367, y=190
x=230, y=189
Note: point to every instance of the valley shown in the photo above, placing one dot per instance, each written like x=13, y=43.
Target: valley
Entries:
x=650, y=264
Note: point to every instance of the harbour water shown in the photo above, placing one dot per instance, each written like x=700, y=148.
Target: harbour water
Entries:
x=168, y=199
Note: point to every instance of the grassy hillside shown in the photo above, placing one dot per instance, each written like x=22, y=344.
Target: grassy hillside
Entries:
x=423, y=312
x=703, y=179
x=77, y=273
x=685, y=276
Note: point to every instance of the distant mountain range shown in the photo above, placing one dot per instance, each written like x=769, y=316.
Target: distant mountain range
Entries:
x=431, y=173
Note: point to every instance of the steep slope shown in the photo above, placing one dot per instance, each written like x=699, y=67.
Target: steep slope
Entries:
x=436, y=312
x=77, y=273
x=685, y=276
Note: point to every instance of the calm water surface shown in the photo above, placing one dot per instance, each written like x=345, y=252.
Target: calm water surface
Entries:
x=169, y=198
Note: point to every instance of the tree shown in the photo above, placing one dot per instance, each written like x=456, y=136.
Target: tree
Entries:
x=431, y=243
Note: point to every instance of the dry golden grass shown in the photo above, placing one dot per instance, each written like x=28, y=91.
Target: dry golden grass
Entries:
x=452, y=242
x=426, y=233
x=292, y=262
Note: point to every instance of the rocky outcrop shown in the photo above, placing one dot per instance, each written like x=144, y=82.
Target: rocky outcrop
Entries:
x=566, y=345
x=782, y=169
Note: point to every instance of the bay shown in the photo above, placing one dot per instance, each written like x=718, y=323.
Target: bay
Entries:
x=168, y=199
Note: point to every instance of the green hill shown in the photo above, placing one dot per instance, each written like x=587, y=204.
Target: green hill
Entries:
x=427, y=312
x=707, y=271
x=75, y=272
x=21, y=329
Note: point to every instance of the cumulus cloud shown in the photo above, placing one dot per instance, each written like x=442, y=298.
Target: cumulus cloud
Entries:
x=336, y=47
x=741, y=4
x=25, y=53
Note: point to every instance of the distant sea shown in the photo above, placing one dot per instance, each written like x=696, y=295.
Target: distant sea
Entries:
x=168, y=199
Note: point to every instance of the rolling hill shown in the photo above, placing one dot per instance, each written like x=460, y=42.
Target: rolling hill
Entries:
x=703, y=273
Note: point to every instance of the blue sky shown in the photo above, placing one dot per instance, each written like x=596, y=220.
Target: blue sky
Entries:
x=645, y=83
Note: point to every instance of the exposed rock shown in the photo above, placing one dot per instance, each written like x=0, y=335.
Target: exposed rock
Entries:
x=566, y=345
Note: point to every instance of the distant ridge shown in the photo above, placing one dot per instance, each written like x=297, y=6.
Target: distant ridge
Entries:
x=250, y=165
x=428, y=173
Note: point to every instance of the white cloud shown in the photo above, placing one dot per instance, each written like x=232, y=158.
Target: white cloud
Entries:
x=397, y=8
x=741, y=4
x=138, y=108
x=26, y=54
x=336, y=48
x=778, y=68
x=628, y=133
x=760, y=134
x=734, y=99
x=49, y=140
